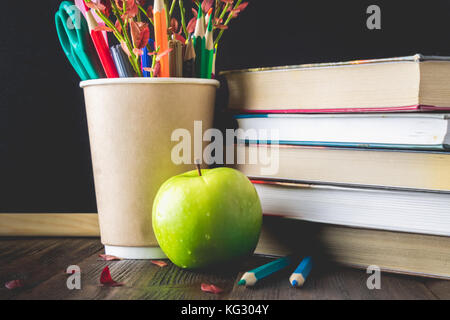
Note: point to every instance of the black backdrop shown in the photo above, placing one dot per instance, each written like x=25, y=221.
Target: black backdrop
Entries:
x=44, y=149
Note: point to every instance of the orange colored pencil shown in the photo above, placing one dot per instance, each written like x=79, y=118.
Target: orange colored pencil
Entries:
x=161, y=39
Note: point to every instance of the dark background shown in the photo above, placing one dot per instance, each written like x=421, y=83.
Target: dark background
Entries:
x=44, y=148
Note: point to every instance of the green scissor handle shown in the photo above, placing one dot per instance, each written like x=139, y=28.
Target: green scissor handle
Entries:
x=72, y=32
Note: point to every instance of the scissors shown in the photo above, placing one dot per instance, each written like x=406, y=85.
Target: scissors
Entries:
x=73, y=34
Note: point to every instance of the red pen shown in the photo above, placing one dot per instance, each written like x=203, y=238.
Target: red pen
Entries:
x=101, y=47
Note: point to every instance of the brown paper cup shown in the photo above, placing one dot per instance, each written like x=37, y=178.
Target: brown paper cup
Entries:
x=131, y=121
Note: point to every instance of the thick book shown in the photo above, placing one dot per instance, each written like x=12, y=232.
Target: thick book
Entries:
x=405, y=169
x=398, y=252
x=394, y=210
x=413, y=83
x=389, y=130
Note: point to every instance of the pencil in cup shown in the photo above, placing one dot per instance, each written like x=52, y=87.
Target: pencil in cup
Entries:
x=298, y=278
x=199, y=46
x=161, y=38
x=251, y=277
x=176, y=58
x=101, y=47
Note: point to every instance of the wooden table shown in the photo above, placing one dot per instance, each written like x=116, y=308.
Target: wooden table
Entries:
x=41, y=263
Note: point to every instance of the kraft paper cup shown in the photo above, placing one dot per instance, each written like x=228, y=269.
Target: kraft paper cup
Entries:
x=131, y=121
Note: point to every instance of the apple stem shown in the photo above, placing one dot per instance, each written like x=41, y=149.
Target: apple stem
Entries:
x=198, y=168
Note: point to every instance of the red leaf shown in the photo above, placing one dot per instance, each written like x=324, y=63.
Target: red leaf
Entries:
x=157, y=69
x=107, y=257
x=179, y=37
x=102, y=27
x=125, y=48
x=206, y=5
x=162, y=54
x=13, y=284
x=140, y=33
x=95, y=6
x=107, y=280
x=221, y=27
x=210, y=288
x=174, y=24
x=159, y=263
x=242, y=6
x=191, y=25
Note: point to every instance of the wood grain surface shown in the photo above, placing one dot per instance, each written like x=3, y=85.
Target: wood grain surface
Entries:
x=41, y=264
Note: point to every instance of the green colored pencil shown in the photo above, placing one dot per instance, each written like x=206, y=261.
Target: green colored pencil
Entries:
x=199, y=45
x=209, y=47
x=251, y=277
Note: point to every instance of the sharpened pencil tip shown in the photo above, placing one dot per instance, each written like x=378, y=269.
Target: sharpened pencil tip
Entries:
x=294, y=283
x=242, y=282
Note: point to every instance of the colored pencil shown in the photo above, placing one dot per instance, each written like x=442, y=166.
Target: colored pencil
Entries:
x=121, y=61
x=251, y=277
x=209, y=48
x=101, y=47
x=146, y=60
x=161, y=39
x=176, y=58
x=189, y=60
x=199, y=45
x=298, y=278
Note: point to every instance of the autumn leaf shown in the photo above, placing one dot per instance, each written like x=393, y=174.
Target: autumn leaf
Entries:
x=95, y=6
x=207, y=4
x=107, y=257
x=210, y=288
x=13, y=284
x=140, y=33
x=102, y=27
x=157, y=69
x=191, y=25
x=107, y=280
x=124, y=46
x=159, y=263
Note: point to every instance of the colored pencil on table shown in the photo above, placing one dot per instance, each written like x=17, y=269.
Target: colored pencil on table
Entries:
x=189, y=60
x=199, y=45
x=298, y=278
x=209, y=48
x=161, y=39
x=251, y=277
x=101, y=47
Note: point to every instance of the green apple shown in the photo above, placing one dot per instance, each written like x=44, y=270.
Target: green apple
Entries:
x=205, y=220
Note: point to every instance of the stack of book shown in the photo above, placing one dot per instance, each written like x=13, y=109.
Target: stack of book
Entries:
x=359, y=148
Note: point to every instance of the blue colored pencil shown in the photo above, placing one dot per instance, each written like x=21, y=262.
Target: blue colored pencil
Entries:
x=251, y=277
x=146, y=60
x=298, y=278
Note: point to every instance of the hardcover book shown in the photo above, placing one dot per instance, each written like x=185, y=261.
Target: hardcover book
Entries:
x=412, y=83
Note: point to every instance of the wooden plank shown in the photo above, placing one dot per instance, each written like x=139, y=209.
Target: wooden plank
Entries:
x=440, y=288
x=36, y=260
x=143, y=280
x=49, y=224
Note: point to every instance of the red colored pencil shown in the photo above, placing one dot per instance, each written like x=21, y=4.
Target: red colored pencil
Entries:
x=101, y=47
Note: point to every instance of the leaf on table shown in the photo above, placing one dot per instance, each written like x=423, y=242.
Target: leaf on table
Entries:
x=159, y=263
x=107, y=280
x=107, y=257
x=13, y=284
x=210, y=288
